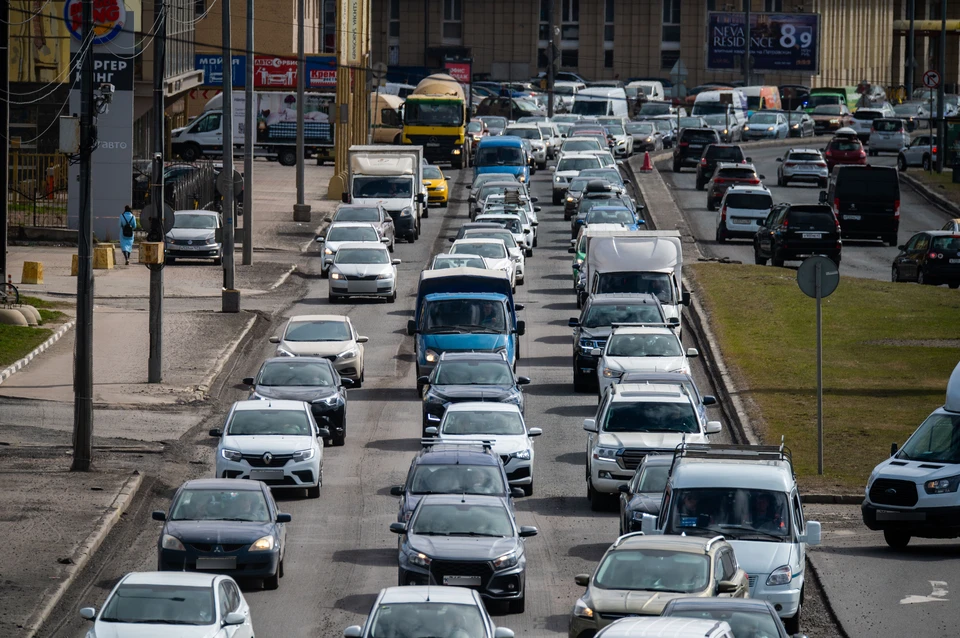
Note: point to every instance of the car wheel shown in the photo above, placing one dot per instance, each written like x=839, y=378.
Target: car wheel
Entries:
x=391, y=245
x=527, y=489
x=324, y=273
x=894, y=274
x=313, y=492
x=426, y=211
x=332, y=298
x=170, y=260
x=191, y=153
x=902, y=164
x=896, y=539
x=710, y=205
x=520, y=281
x=218, y=260
x=777, y=259
x=757, y=259
x=581, y=382
x=517, y=606
x=721, y=234
x=926, y=163
x=392, y=298
x=676, y=166
x=836, y=259
x=953, y=285
x=272, y=582
x=792, y=625
x=595, y=498
x=535, y=241
x=444, y=204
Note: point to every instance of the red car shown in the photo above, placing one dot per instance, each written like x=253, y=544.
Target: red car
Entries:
x=844, y=149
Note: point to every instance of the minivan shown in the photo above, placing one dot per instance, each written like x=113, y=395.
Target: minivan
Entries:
x=597, y=101
x=888, y=134
x=761, y=97
x=866, y=201
x=502, y=154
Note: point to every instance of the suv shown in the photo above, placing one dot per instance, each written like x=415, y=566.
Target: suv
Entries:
x=931, y=257
x=866, y=200
x=638, y=575
x=444, y=467
x=591, y=330
x=742, y=210
x=712, y=156
x=914, y=492
x=793, y=230
x=888, y=134
x=690, y=145
x=921, y=152
x=624, y=431
x=802, y=165
x=844, y=149
x=728, y=175
x=863, y=119
x=749, y=495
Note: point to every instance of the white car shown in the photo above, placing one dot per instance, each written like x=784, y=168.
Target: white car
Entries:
x=153, y=603
x=274, y=441
x=863, y=120
x=503, y=426
x=742, y=210
x=606, y=158
x=494, y=254
x=522, y=233
x=580, y=144
x=363, y=270
x=568, y=167
x=641, y=349
x=888, y=134
x=921, y=152
x=330, y=336
x=509, y=240
x=527, y=215
x=622, y=141
x=340, y=232
x=531, y=133
x=552, y=137
x=802, y=165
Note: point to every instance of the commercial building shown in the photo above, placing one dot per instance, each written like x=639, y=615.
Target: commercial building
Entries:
x=927, y=27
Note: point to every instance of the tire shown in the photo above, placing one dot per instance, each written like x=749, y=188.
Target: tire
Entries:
x=271, y=583
x=792, y=625
x=901, y=164
x=566, y=216
x=556, y=199
x=520, y=281
x=581, y=382
x=953, y=285
x=314, y=492
x=517, y=606
x=926, y=163
x=332, y=298
x=596, y=499
x=894, y=274
x=218, y=261
x=191, y=153
x=527, y=489
x=457, y=163
x=700, y=185
x=359, y=382
x=444, y=204
x=528, y=252
x=338, y=441
x=779, y=180
x=777, y=259
x=170, y=260
x=710, y=205
x=392, y=298
x=536, y=240
x=896, y=539
x=676, y=166
x=721, y=236
x=757, y=259
x=891, y=239
x=287, y=157
x=426, y=211
x=391, y=245
x=325, y=273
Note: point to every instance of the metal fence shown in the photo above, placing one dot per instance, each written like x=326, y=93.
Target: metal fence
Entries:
x=185, y=186
x=38, y=189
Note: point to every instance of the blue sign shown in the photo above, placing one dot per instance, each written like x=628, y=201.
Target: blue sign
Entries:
x=212, y=67
x=778, y=41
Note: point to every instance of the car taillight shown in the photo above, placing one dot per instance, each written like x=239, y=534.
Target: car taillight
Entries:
x=703, y=160
x=723, y=213
x=863, y=154
x=936, y=256
x=684, y=144
x=719, y=180
x=896, y=208
x=785, y=224
x=753, y=181
x=873, y=130
x=790, y=164
x=829, y=152
x=836, y=220
x=934, y=150
x=836, y=203
x=822, y=164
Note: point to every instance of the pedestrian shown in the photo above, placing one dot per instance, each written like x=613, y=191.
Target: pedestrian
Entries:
x=128, y=224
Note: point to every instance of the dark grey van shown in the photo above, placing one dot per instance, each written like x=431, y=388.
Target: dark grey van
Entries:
x=866, y=201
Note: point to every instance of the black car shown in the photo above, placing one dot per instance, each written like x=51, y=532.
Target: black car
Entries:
x=468, y=376
x=746, y=616
x=690, y=145
x=643, y=494
x=465, y=541
x=931, y=257
x=800, y=124
x=443, y=467
x=310, y=379
x=866, y=200
x=571, y=198
x=715, y=154
x=591, y=329
x=226, y=526
x=794, y=230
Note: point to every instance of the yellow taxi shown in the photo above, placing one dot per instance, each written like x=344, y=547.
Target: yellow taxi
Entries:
x=436, y=183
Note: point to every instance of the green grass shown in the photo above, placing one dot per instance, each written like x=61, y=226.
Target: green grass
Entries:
x=45, y=308
x=17, y=341
x=881, y=374
x=941, y=183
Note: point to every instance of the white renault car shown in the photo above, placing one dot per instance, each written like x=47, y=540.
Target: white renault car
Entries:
x=363, y=269
x=503, y=426
x=641, y=349
x=277, y=442
x=494, y=254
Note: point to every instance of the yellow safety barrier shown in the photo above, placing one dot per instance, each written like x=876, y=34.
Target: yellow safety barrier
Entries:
x=74, y=265
x=151, y=252
x=103, y=258
x=32, y=273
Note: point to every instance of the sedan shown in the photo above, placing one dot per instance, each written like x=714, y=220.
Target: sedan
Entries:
x=361, y=270
x=467, y=377
x=641, y=349
x=646, y=136
x=341, y=232
x=150, y=603
x=643, y=494
x=310, y=379
x=194, y=236
x=224, y=526
x=746, y=617
x=494, y=254
x=766, y=125
x=329, y=336
x=375, y=215
x=801, y=124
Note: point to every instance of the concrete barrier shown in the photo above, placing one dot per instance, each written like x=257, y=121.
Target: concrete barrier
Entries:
x=32, y=273
x=103, y=257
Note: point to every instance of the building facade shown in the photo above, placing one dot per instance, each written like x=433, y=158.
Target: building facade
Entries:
x=927, y=25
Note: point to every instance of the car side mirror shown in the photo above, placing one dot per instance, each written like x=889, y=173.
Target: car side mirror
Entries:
x=234, y=618
x=88, y=613
x=362, y=339
x=582, y=579
x=526, y=531
x=395, y=262
x=346, y=382
x=518, y=306
x=345, y=198
x=216, y=432
x=385, y=240
x=648, y=524
x=247, y=381
x=451, y=239
x=693, y=352
x=523, y=380
x=503, y=632
x=575, y=266
x=902, y=247
x=893, y=448
x=534, y=200
x=673, y=322
x=726, y=587
x=750, y=160
x=534, y=432
x=421, y=198
x=627, y=182
x=396, y=490
x=398, y=528
x=517, y=492
x=274, y=339
x=411, y=327
x=431, y=431
x=812, y=537
x=685, y=299
x=536, y=209
x=159, y=515
x=573, y=322
x=590, y=425
x=779, y=159
x=424, y=380
x=595, y=352
x=472, y=199
x=283, y=518
x=624, y=488
x=328, y=262
x=762, y=176
x=446, y=179
x=713, y=427
x=709, y=399
x=353, y=631
x=521, y=328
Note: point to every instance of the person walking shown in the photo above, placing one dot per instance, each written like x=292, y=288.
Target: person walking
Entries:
x=128, y=224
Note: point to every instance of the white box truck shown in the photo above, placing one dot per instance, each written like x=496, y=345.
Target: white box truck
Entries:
x=391, y=176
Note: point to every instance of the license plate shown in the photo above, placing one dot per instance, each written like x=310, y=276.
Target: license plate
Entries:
x=740, y=220
x=266, y=475
x=807, y=168
x=696, y=146
x=853, y=217
x=812, y=235
x=462, y=581
x=362, y=286
x=433, y=143
x=955, y=261
x=889, y=515
x=227, y=562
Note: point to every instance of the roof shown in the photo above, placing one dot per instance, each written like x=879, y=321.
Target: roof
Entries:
x=638, y=377
x=501, y=140
x=649, y=627
x=469, y=499
x=731, y=604
x=805, y=150
x=486, y=406
x=652, y=392
x=692, y=544
x=298, y=318
x=197, y=211
x=184, y=579
x=733, y=473
x=523, y=125
x=613, y=298
x=422, y=594
x=478, y=240
x=223, y=484
x=471, y=356
x=444, y=454
x=268, y=404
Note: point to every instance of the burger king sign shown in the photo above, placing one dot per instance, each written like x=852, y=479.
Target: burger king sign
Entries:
x=108, y=19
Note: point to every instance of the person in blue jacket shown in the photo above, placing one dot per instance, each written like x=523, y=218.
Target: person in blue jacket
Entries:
x=128, y=224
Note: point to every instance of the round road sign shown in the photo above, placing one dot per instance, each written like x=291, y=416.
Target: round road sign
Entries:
x=147, y=217
x=223, y=182
x=807, y=276
x=379, y=71
x=931, y=79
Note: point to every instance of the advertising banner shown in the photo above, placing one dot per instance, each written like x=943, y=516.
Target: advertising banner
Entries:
x=462, y=72
x=212, y=67
x=276, y=117
x=274, y=72
x=778, y=41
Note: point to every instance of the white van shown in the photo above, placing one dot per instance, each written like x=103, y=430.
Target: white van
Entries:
x=651, y=88
x=598, y=101
x=720, y=102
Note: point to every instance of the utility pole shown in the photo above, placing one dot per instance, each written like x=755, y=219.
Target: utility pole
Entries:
x=155, y=361
x=83, y=348
x=911, y=43
x=301, y=90
x=551, y=60
x=746, y=43
x=941, y=123
x=5, y=123
x=426, y=33
x=230, y=298
x=249, y=123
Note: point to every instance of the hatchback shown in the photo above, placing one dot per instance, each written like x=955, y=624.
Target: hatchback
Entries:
x=844, y=149
x=728, y=175
x=714, y=155
x=742, y=211
x=690, y=146
x=802, y=165
x=362, y=270
x=794, y=230
x=888, y=134
x=931, y=257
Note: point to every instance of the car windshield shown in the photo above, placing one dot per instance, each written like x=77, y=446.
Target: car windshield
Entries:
x=580, y=145
x=462, y=519
x=512, y=224
x=456, y=479
x=192, y=221
x=609, y=216
x=864, y=114
x=487, y=250
x=905, y=109
x=482, y=422
x=495, y=122
x=531, y=133
x=644, y=345
x=608, y=314
x=432, y=172
x=717, y=120
x=651, y=416
x=220, y=505
x=160, y=604
x=606, y=159
x=291, y=374
x=758, y=624
x=361, y=256
x=357, y=215
x=586, y=106
x=577, y=163
x=492, y=189
x=654, y=570
x=824, y=98
x=416, y=620
x=737, y=173
x=352, y=233
x=937, y=440
x=710, y=108
x=473, y=373
x=736, y=513
x=828, y=109
x=614, y=130
x=869, y=184
x=464, y=315
x=763, y=118
x=655, y=108
x=499, y=156
x=317, y=331
x=475, y=127
x=745, y=201
x=640, y=128
x=506, y=236
x=458, y=261
x=384, y=187
x=268, y=423
x=655, y=283
x=653, y=479
x=611, y=175
x=439, y=113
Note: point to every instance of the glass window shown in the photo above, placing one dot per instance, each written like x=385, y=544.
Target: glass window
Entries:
x=290, y=374
x=570, y=24
x=600, y=315
x=482, y=422
x=208, y=124
x=269, y=423
x=937, y=440
x=478, y=315
x=352, y=233
x=488, y=250
x=654, y=283
x=608, y=27
x=736, y=513
x=160, y=604
x=462, y=519
x=653, y=479
x=199, y=7
x=357, y=214
x=644, y=345
x=194, y=221
x=219, y=505
x=317, y=331
x=410, y=620
x=743, y=623
x=456, y=479
x=452, y=20
x=473, y=373
x=362, y=256
x=650, y=416
x=608, y=58
x=654, y=570
x=668, y=58
x=773, y=5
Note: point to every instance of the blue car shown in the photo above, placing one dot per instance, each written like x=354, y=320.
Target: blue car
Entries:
x=613, y=215
x=502, y=154
x=766, y=125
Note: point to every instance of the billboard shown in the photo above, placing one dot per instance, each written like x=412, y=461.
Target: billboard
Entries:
x=269, y=72
x=778, y=41
x=212, y=67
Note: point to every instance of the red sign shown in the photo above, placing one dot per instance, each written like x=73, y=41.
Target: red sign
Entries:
x=460, y=71
x=272, y=72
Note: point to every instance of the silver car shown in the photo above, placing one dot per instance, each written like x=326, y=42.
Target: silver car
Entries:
x=332, y=337
x=888, y=134
x=194, y=236
x=742, y=211
x=340, y=232
x=361, y=269
x=375, y=215
x=863, y=120
x=921, y=152
x=802, y=165
x=509, y=240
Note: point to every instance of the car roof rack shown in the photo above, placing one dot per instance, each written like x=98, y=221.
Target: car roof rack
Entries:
x=430, y=441
x=617, y=388
x=614, y=326
x=732, y=452
x=624, y=537
x=713, y=540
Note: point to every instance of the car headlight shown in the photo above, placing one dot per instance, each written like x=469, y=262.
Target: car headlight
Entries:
x=406, y=212
x=746, y=128
x=172, y=542
x=557, y=178
x=605, y=453
x=431, y=356
x=726, y=132
x=332, y=400
x=348, y=354
x=835, y=121
x=283, y=352
x=506, y=561
x=263, y=544
x=385, y=275
x=419, y=559
x=211, y=241
x=636, y=516
x=769, y=128
x=570, y=199
x=337, y=276
x=523, y=178
x=942, y=486
x=610, y=373
x=327, y=251
x=582, y=610
x=780, y=576
x=231, y=455
x=304, y=455
x=523, y=455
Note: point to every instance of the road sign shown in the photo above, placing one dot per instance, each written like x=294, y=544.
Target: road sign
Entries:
x=931, y=79
x=147, y=217
x=828, y=273
x=379, y=71
x=223, y=182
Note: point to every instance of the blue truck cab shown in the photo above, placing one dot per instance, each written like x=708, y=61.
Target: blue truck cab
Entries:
x=502, y=154
x=464, y=310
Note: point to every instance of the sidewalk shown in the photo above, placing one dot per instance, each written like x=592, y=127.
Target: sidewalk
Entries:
x=52, y=519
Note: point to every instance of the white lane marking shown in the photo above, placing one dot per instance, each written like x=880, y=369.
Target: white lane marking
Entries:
x=938, y=595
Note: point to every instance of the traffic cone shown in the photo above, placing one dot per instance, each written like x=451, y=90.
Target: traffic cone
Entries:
x=647, y=164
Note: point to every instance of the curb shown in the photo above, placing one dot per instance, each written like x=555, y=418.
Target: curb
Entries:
x=316, y=233
x=832, y=499
x=283, y=278
x=225, y=354
x=22, y=363
x=88, y=548
x=931, y=195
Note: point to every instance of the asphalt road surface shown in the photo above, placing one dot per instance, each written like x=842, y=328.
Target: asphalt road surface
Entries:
x=866, y=259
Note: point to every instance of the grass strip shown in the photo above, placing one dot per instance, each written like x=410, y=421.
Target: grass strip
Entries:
x=17, y=341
